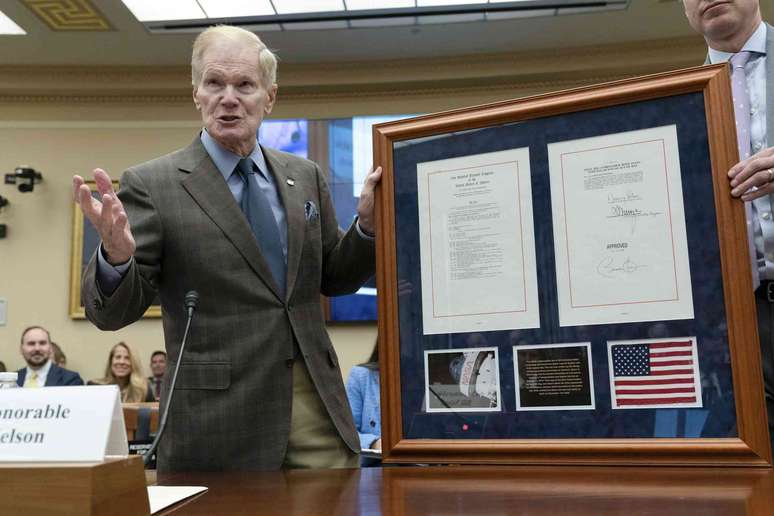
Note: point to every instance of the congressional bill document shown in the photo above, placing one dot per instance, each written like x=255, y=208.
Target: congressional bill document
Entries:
x=477, y=243
x=619, y=228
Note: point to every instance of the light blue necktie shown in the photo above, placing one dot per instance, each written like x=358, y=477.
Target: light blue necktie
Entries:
x=742, y=118
x=256, y=208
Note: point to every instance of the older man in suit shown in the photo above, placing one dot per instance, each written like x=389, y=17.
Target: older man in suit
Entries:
x=253, y=230
x=735, y=33
x=41, y=371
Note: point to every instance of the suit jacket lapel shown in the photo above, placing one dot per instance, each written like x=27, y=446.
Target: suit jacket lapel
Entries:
x=293, y=202
x=52, y=378
x=206, y=185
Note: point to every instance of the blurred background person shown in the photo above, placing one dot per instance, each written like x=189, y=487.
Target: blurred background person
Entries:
x=363, y=394
x=158, y=364
x=41, y=371
x=123, y=369
x=57, y=355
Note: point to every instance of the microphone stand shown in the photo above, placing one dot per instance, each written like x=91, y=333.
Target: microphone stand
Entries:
x=191, y=300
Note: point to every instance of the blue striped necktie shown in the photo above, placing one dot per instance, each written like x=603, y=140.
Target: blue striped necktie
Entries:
x=256, y=208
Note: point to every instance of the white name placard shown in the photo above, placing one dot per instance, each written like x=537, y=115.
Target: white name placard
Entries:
x=61, y=424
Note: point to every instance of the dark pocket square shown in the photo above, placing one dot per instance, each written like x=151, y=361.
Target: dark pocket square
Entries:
x=310, y=211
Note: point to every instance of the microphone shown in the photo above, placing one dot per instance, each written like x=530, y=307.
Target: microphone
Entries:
x=191, y=301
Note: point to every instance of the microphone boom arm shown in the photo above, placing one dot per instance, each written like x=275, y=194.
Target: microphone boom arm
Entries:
x=191, y=300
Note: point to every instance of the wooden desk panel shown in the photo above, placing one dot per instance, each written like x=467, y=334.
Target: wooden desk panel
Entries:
x=465, y=490
x=131, y=415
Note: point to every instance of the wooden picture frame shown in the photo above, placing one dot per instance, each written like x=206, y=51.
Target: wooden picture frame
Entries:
x=83, y=244
x=631, y=103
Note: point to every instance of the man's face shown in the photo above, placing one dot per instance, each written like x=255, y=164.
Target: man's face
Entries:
x=720, y=19
x=35, y=347
x=231, y=96
x=158, y=365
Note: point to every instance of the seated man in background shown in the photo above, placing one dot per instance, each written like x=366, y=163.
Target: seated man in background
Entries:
x=41, y=371
x=158, y=365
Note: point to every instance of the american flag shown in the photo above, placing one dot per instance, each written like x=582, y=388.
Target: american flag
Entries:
x=654, y=374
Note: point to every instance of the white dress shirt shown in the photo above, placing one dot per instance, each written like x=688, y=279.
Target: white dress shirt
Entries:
x=755, y=72
x=42, y=373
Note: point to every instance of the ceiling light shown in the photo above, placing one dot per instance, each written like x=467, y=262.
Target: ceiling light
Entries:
x=186, y=15
x=153, y=10
x=236, y=8
x=429, y=3
x=307, y=6
x=356, y=5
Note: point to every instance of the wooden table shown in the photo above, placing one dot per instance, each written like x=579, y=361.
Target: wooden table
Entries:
x=482, y=490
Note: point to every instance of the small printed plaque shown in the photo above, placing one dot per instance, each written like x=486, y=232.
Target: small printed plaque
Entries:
x=553, y=377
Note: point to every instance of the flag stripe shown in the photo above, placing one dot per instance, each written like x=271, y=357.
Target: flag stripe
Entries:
x=670, y=354
x=674, y=390
x=656, y=372
x=653, y=382
x=658, y=401
x=660, y=367
x=654, y=396
x=658, y=363
x=660, y=345
x=664, y=385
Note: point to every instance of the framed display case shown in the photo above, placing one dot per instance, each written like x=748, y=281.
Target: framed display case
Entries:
x=566, y=279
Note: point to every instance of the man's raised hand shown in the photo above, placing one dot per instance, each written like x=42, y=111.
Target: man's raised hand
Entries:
x=107, y=215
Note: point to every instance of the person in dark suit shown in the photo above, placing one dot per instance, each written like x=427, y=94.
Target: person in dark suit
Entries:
x=254, y=231
x=41, y=371
x=158, y=365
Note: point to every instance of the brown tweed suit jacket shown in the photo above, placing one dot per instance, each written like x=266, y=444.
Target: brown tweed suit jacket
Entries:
x=233, y=405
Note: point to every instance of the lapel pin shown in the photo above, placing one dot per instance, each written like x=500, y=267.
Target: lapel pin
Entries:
x=291, y=182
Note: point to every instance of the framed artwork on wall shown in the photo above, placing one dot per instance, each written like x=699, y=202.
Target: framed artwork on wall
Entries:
x=85, y=241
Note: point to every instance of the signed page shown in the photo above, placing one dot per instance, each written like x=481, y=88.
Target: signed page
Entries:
x=477, y=244
x=619, y=229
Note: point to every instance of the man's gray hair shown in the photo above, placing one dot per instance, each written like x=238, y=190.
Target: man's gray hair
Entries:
x=267, y=67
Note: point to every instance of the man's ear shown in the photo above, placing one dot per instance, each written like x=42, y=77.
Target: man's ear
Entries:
x=272, y=95
x=195, y=100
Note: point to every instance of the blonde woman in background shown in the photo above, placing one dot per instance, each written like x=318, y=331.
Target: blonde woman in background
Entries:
x=123, y=369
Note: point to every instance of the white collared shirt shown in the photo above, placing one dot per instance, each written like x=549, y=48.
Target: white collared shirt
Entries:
x=755, y=72
x=42, y=373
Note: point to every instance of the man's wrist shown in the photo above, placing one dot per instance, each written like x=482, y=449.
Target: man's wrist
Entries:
x=362, y=232
x=121, y=267
x=111, y=260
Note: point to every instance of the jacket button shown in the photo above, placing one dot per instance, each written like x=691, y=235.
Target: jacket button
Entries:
x=97, y=304
x=289, y=362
